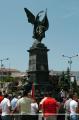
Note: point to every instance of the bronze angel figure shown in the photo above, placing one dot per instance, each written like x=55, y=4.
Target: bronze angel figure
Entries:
x=40, y=26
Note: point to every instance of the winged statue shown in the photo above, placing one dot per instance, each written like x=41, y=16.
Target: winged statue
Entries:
x=39, y=26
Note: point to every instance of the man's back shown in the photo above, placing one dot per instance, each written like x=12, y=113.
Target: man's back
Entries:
x=73, y=107
x=24, y=105
x=13, y=103
x=5, y=104
x=49, y=106
x=67, y=105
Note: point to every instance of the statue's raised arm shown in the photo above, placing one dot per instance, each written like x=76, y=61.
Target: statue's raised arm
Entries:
x=40, y=26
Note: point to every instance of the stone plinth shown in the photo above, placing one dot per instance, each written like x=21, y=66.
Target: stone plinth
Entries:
x=38, y=66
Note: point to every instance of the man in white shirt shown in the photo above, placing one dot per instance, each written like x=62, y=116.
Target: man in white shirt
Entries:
x=67, y=107
x=5, y=107
x=74, y=108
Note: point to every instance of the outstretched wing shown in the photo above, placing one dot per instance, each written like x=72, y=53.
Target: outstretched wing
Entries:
x=30, y=16
x=45, y=21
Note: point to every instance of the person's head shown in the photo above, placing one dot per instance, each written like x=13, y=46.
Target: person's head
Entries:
x=27, y=86
x=0, y=93
x=29, y=94
x=14, y=96
x=70, y=96
x=75, y=97
x=26, y=93
x=48, y=94
x=4, y=92
x=6, y=95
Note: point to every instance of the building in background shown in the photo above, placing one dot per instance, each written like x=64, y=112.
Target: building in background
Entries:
x=21, y=77
x=10, y=78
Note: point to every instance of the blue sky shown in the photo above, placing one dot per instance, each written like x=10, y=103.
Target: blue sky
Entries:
x=62, y=36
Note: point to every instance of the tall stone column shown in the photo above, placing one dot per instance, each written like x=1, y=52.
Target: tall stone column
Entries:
x=38, y=67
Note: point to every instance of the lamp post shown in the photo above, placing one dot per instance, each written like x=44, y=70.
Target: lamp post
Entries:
x=1, y=60
x=70, y=63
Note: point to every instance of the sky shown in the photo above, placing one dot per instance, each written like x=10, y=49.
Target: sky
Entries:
x=61, y=38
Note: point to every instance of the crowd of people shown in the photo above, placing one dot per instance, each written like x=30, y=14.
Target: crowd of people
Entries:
x=24, y=107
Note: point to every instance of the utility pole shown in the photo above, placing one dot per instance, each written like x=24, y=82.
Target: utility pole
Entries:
x=70, y=64
x=1, y=60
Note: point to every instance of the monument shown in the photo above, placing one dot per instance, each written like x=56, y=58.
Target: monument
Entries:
x=38, y=58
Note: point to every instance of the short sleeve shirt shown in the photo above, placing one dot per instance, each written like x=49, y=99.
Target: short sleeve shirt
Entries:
x=73, y=107
x=24, y=105
x=5, y=104
x=49, y=106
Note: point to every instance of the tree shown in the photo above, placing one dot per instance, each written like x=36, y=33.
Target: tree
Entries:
x=61, y=80
x=64, y=81
x=67, y=80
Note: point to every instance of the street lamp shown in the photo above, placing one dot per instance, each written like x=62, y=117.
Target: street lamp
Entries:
x=1, y=60
x=70, y=63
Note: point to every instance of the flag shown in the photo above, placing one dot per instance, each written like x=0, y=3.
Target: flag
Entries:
x=33, y=91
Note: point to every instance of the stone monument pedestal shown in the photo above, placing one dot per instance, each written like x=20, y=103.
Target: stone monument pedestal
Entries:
x=38, y=67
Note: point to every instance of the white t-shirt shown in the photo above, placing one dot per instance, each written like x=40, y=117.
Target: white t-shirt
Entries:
x=73, y=107
x=5, y=104
x=34, y=108
x=67, y=105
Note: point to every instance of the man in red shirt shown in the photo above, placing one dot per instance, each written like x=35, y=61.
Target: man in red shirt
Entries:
x=49, y=107
x=1, y=98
